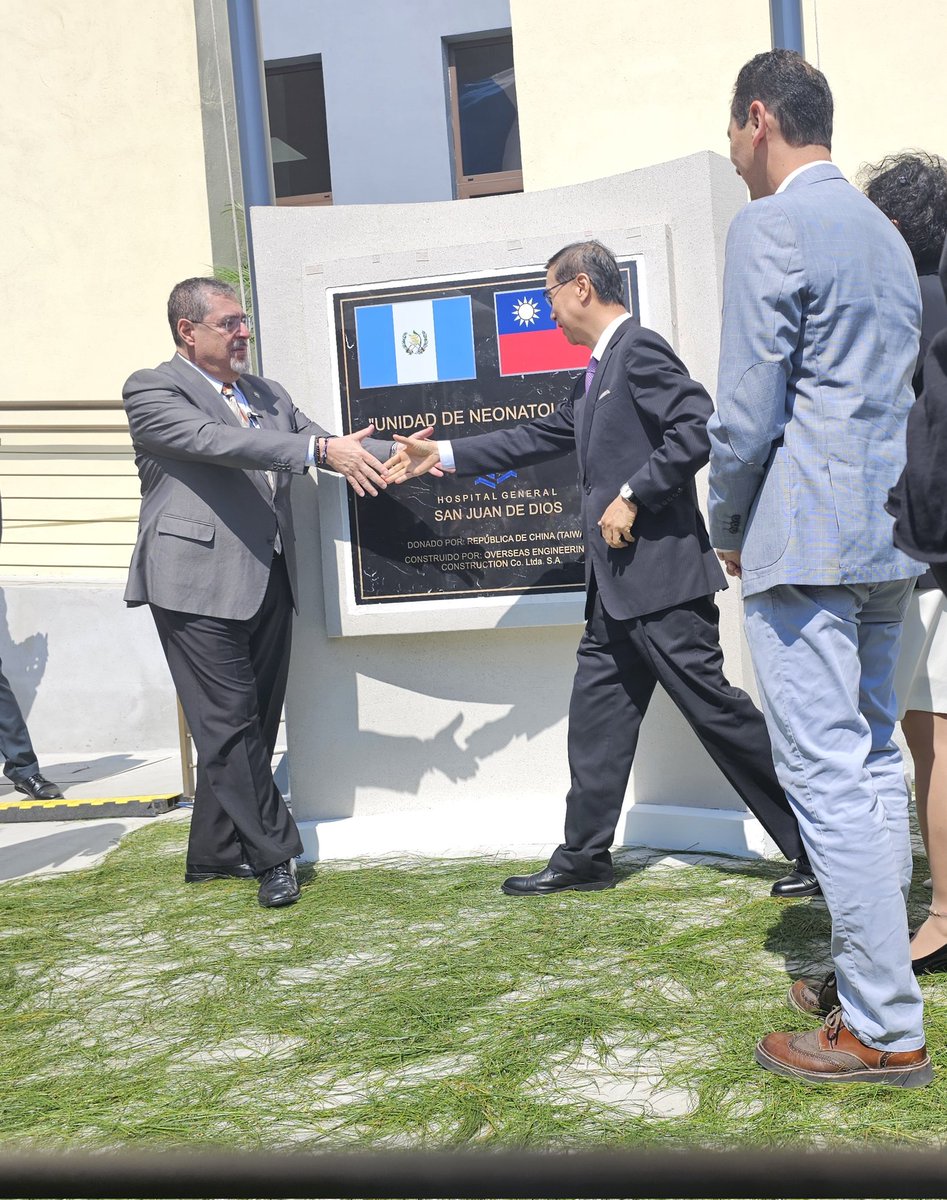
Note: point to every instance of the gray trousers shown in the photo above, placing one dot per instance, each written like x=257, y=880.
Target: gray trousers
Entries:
x=824, y=659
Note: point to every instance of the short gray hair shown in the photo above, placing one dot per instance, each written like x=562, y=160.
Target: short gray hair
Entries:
x=190, y=300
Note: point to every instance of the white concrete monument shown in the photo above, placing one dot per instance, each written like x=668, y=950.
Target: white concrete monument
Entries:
x=435, y=649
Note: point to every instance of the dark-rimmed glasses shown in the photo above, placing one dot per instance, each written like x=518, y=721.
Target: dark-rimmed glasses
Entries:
x=549, y=292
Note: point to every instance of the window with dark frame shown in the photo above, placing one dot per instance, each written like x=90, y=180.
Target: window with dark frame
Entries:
x=296, y=100
x=484, y=117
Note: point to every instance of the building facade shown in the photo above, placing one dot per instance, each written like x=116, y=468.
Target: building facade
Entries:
x=122, y=175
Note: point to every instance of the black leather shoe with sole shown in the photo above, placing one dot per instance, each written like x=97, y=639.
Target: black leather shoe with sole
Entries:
x=549, y=881
x=203, y=874
x=930, y=964
x=278, y=886
x=38, y=787
x=799, y=884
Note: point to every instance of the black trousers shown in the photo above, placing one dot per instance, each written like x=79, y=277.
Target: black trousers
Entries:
x=231, y=680
x=619, y=665
x=16, y=749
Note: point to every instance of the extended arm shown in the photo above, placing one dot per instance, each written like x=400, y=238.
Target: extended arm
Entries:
x=533, y=441
x=165, y=422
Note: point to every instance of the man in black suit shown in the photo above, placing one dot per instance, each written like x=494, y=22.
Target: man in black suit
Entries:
x=215, y=560
x=16, y=749
x=640, y=432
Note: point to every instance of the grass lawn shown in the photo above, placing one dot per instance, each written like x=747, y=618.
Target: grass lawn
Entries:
x=410, y=1004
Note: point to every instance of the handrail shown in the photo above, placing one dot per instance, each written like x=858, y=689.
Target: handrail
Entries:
x=53, y=405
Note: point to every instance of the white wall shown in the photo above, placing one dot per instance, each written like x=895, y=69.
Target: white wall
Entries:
x=620, y=84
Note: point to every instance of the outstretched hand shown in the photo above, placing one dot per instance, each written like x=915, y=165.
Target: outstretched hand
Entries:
x=414, y=456
x=349, y=457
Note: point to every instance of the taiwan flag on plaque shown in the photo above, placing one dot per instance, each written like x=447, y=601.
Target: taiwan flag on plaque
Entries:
x=418, y=341
x=529, y=340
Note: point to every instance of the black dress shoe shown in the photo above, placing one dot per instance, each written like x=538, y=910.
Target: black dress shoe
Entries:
x=548, y=881
x=798, y=884
x=203, y=874
x=278, y=886
x=37, y=787
x=930, y=964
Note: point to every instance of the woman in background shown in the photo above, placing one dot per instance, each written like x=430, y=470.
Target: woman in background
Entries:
x=911, y=189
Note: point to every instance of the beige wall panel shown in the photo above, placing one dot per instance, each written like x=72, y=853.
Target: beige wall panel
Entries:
x=605, y=86
x=42, y=439
x=103, y=200
x=68, y=415
x=65, y=466
x=885, y=67
x=21, y=509
x=22, y=558
x=68, y=533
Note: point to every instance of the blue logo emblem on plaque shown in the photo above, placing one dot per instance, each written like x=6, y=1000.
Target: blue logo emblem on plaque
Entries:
x=495, y=478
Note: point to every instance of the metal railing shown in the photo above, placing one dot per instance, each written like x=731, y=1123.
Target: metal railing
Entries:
x=61, y=417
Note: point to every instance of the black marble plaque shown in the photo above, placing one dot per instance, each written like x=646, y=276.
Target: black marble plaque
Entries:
x=503, y=533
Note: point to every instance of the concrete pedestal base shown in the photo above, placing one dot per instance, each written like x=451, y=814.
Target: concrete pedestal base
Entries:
x=530, y=830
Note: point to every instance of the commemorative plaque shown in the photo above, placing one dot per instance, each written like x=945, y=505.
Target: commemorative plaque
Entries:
x=468, y=355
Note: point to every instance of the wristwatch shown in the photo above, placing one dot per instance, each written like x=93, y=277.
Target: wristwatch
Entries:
x=627, y=494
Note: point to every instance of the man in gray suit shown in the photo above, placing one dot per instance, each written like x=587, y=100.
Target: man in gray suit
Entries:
x=215, y=559
x=820, y=335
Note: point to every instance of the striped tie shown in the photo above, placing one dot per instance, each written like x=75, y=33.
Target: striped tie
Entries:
x=590, y=373
x=247, y=417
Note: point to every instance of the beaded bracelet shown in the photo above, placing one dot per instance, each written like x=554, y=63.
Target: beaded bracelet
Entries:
x=324, y=453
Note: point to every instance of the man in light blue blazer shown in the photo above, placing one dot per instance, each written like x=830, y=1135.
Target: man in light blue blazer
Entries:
x=820, y=334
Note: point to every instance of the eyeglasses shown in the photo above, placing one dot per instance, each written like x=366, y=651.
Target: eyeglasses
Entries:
x=549, y=292
x=229, y=325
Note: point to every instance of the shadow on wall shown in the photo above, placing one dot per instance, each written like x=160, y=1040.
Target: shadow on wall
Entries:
x=526, y=672
x=23, y=663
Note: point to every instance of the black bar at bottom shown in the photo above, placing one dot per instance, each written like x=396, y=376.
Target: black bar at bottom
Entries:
x=500, y=1174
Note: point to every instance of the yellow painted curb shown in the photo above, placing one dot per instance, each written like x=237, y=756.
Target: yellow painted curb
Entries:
x=146, y=799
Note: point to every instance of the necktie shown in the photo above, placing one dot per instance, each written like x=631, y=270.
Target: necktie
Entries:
x=590, y=373
x=239, y=406
x=248, y=418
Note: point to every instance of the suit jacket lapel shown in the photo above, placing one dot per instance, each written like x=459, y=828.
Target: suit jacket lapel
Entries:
x=203, y=393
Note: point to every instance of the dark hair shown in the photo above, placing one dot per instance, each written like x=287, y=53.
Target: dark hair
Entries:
x=911, y=188
x=190, y=300
x=793, y=90
x=597, y=261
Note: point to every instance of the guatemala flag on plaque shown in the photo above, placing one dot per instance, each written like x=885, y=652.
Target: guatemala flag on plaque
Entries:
x=419, y=341
x=528, y=339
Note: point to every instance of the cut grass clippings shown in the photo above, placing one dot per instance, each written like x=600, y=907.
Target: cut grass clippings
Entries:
x=411, y=1004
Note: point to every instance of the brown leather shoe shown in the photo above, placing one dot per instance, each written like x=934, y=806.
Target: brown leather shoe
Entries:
x=833, y=1054
x=814, y=997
